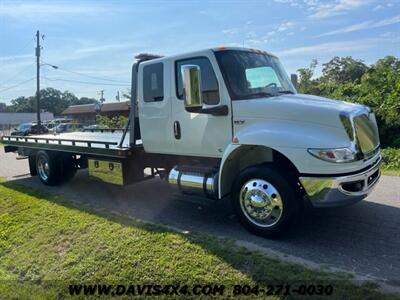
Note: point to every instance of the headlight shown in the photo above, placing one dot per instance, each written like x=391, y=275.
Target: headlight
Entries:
x=339, y=155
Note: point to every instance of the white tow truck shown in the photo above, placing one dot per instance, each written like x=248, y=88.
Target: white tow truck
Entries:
x=224, y=122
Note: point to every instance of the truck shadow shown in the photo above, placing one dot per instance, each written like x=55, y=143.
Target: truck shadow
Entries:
x=363, y=238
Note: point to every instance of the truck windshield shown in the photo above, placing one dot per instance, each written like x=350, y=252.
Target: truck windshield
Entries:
x=251, y=75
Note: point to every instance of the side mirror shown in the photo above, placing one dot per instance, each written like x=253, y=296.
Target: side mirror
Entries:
x=191, y=79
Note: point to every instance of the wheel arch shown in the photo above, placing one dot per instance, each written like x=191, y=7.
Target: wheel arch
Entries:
x=240, y=157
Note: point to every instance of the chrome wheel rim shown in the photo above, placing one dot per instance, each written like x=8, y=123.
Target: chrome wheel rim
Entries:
x=261, y=203
x=43, y=168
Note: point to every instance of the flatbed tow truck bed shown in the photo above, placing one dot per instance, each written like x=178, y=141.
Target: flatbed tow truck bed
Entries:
x=90, y=143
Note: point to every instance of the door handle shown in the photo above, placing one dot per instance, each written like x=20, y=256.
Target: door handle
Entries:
x=177, y=130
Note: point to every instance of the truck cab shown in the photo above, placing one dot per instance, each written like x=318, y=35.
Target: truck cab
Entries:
x=228, y=122
x=238, y=105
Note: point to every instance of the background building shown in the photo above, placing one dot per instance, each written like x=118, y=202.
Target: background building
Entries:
x=9, y=120
x=86, y=114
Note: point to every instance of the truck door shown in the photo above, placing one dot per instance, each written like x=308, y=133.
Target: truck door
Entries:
x=199, y=134
x=155, y=107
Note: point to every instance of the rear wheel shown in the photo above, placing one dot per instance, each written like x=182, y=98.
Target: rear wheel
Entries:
x=54, y=168
x=265, y=201
x=32, y=164
x=68, y=167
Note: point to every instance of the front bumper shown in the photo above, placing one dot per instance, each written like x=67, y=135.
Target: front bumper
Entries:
x=332, y=191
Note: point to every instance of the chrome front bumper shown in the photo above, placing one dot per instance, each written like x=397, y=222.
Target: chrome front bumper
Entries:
x=343, y=190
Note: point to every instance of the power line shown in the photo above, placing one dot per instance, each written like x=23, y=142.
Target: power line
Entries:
x=93, y=77
x=84, y=82
x=20, y=72
x=26, y=45
x=90, y=76
x=16, y=85
x=23, y=47
x=17, y=74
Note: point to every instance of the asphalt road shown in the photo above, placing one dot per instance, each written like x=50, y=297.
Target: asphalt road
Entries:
x=363, y=238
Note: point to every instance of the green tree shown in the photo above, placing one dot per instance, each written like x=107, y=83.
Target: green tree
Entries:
x=51, y=100
x=380, y=89
x=377, y=86
x=305, y=78
x=84, y=100
x=22, y=104
x=343, y=69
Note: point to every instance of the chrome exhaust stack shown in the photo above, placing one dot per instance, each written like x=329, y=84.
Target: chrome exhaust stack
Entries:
x=195, y=180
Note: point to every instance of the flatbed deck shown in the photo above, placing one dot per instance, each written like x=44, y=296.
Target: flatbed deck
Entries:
x=91, y=143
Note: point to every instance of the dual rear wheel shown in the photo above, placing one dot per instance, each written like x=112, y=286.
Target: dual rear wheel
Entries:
x=54, y=168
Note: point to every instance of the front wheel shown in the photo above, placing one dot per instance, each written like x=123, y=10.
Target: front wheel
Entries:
x=265, y=201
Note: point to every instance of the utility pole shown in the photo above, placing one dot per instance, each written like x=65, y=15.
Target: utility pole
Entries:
x=38, y=78
x=102, y=96
x=117, y=97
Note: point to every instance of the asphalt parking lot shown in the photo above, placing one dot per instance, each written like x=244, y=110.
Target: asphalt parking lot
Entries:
x=363, y=238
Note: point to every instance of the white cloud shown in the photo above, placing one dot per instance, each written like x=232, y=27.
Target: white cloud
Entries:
x=58, y=11
x=106, y=48
x=230, y=31
x=13, y=57
x=254, y=41
x=323, y=9
x=365, y=25
x=235, y=44
x=294, y=3
x=50, y=12
x=393, y=37
x=285, y=26
x=320, y=11
x=382, y=6
x=18, y=9
x=279, y=31
x=378, y=7
x=333, y=47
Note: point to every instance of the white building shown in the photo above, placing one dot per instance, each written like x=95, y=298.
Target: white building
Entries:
x=18, y=118
x=10, y=120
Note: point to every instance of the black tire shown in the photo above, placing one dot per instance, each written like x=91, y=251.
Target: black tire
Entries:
x=285, y=213
x=54, y=168
x=68, y=168
x=48, y=168
x=32, y=165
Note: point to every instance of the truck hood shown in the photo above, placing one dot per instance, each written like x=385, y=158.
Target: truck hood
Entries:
x=297, y=107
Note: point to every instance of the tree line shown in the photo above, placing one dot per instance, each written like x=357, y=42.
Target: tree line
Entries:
x=377, y=86
x=51, y=100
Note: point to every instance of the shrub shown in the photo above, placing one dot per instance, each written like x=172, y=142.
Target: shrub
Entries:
x=115, y=122
x=391, y=159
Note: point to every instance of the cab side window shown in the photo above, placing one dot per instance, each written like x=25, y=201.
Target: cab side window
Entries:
x=153, y=82
x=209, y=83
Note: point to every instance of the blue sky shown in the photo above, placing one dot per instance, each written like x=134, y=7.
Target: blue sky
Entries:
x=100, y=38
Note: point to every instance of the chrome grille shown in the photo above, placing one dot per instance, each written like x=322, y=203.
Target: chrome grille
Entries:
x=367, y=135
